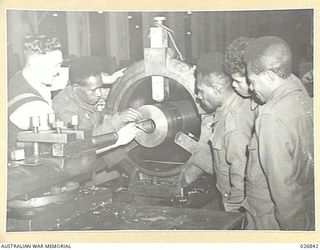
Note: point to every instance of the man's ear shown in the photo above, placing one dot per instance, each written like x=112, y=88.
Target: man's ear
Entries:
x=75, y=88
x=270, y=75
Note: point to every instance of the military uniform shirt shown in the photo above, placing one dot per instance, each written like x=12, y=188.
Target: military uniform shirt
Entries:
x=66, y=104
x=284, y=130
x=232, y=129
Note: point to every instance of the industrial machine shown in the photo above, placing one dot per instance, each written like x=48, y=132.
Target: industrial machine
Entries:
x=162, y=88
x=165, y=164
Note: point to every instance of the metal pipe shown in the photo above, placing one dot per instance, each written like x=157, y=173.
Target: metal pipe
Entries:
x=105, y=139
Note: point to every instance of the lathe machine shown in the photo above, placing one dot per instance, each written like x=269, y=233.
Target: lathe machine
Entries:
x=166, y=178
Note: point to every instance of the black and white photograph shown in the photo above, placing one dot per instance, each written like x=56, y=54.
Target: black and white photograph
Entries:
x=160, y=120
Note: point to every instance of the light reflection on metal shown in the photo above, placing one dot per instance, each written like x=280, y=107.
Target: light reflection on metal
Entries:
x=161, y=126
x=168, y=118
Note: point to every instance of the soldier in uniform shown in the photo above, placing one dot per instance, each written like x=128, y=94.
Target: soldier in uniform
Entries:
x=82, y=98
x=260, y=211
x=284, y=136
x=232, y=128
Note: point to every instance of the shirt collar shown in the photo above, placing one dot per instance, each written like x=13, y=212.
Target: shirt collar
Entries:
x=289, y=86
x=231, y=103
x=286, y=88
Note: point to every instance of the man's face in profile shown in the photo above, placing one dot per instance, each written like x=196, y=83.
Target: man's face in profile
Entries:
x=206, y=94
x=92, y=91
x=47, y=66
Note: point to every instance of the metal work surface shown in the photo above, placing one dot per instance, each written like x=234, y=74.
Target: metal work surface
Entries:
x=121, y=216
x=93, y=209
x=49, y=217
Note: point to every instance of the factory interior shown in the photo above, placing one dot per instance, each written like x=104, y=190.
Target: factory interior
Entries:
x=163, y=179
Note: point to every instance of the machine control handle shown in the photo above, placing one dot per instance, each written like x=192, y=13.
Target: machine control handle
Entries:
x=58, y=126
x=75, y=121
x=51, y=118
x=35, y=123
x=185, y=142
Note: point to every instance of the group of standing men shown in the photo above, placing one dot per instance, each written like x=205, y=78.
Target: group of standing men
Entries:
x=262, y=133
x=262, y=130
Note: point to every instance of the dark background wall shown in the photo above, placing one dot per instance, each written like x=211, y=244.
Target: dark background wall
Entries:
x=123, y=35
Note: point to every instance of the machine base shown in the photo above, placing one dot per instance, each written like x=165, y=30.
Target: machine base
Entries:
x=106, y=208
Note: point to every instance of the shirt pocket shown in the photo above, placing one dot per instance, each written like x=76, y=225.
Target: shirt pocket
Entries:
x=219, y=156
x=221, y=168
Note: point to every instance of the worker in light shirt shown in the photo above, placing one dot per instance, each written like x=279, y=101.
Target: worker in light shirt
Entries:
x=29, y=89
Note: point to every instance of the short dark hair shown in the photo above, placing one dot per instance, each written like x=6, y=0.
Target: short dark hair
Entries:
x=82, y=68
x=234, y=56
x=36, y=44
x=269, y=53
x=211, y=63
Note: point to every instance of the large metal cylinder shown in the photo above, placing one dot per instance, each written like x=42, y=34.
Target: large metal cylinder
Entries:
x=156, y=153
x=168, y=119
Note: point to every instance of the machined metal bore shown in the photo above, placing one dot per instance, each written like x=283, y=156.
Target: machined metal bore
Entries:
x=146, y=125
x=168, y=119
x=157, y=153
x=161, y=126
